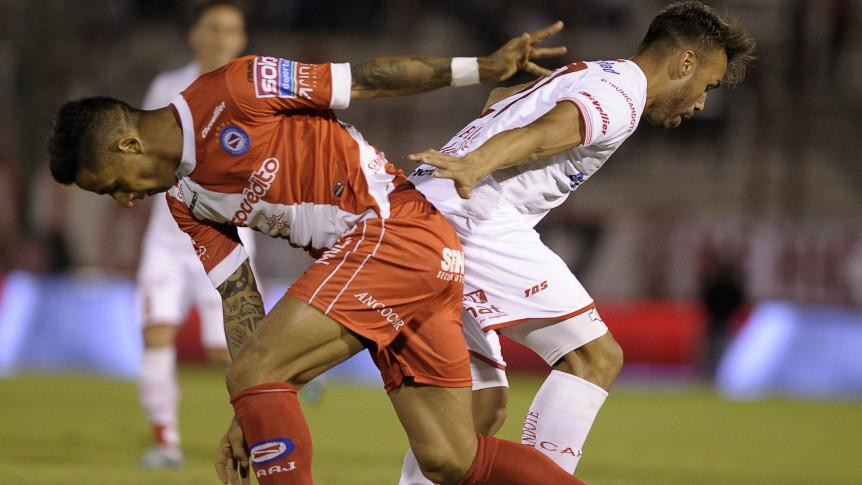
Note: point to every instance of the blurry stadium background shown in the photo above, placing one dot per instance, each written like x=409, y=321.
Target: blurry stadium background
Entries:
x=726, y=255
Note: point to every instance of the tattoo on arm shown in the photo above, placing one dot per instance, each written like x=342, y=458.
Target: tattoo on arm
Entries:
x=399, y=76
x=242, y=307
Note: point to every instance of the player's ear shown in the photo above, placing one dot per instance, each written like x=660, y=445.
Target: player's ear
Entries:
x=686, y=63
x=130, y=145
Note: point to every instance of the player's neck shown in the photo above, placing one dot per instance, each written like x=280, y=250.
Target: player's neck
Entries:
x=652, y=69
x=162, y=135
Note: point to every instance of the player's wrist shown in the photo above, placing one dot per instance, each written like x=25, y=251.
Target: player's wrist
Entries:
x=465, y=71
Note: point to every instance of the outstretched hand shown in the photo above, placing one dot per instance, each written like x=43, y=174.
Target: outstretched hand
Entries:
x=518, y=54
x=231, y=463
x=463, y=171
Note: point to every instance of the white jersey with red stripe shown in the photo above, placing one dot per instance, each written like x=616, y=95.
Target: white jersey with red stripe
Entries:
x=611, y=97
x=511, y=278
x=262, y=149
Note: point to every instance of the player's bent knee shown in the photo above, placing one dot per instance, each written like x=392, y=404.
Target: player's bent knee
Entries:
x=599, y=361
x=489, y=409
x=493, y=421
x=159, y=335
x=441, y=465
x=250, y=368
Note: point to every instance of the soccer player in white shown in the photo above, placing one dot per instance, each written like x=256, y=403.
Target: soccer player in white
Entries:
x=528, y=151
x=170, y=276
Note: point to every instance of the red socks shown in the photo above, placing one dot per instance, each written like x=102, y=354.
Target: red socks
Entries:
x=280, y=445
x=276, y=432
x=499, y=461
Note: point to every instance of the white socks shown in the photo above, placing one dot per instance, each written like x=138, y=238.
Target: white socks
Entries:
x=160, y=393
x=561, y=416
x=410, y=472
x=557, y=423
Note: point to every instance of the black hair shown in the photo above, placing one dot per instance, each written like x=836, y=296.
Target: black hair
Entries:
x=79, y=130
x=200, y=8
x=693, y=24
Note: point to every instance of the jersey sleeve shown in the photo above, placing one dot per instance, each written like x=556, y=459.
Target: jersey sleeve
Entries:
x=217, y=245
x=268, y=85
x=607, y=114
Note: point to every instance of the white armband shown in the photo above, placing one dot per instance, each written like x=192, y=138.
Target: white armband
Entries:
x=465, y=71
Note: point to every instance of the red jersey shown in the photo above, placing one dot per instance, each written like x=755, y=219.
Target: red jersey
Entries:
x=263, y=149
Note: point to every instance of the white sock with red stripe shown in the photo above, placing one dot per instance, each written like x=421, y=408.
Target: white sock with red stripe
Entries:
x=160, y=393
x=561, y=416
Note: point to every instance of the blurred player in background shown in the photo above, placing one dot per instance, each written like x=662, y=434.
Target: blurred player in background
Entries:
x=389, y=278
x=534, y=145
x=170, y=277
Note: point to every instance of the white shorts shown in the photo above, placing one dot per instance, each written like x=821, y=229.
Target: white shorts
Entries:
x=169, y=283
x=516, y=285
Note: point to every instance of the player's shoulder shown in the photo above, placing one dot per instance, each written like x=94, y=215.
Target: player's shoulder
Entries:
x=614, y=75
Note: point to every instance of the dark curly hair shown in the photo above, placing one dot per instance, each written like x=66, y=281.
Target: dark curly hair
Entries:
x=693, y=24
x=81, y=130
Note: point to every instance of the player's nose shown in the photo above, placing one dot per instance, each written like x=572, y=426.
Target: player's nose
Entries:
x=700, y=103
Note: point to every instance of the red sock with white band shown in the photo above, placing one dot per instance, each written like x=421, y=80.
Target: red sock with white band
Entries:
x=499, y=461
x=279, y=441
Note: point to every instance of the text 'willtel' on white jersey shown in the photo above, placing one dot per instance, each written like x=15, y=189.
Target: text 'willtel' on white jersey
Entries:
x=610, y=96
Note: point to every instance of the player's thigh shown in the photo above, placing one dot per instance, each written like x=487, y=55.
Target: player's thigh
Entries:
x=552, y=339
x=293, y=339
x=438, y=422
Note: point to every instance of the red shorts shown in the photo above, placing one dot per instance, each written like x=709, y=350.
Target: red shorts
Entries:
x=398, y=283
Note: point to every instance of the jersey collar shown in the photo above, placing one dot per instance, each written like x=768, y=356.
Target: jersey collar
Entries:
x=188, y=162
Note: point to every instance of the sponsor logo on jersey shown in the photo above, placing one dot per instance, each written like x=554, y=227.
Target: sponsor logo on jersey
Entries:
x=607, y=66
x=477, y=296
x=277, y=223
x=476, y=303
x=274, y=77
x=423, y=172
x=633, y=112
x=451, y=265
x=259, y=184
x=606, y=120
x=200, y=251
x=216, y=113
x=378, y=162
x=387, y=313
x=234, y=140
x=575, y=180
x=535, y=289
x=269, y=451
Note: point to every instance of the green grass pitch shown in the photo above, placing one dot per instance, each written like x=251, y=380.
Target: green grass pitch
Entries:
x=79, y=430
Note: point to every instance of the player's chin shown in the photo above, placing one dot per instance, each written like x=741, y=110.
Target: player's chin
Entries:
x=673, y=122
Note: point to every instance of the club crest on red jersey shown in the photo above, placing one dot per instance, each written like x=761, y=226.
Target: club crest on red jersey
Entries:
x=234, y=140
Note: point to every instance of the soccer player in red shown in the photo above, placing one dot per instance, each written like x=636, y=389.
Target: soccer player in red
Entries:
x=256, y=144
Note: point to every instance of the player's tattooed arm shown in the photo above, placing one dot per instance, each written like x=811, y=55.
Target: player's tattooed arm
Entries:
x=242, y=306
x=404, y=75
x=556, y=131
